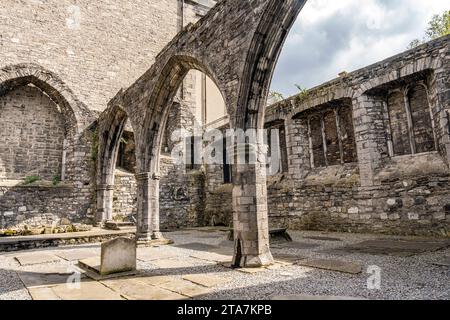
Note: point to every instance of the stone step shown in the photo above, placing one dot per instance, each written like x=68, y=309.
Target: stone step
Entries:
x=114, y=225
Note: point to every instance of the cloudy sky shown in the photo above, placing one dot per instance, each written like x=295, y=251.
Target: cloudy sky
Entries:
x=332, y=36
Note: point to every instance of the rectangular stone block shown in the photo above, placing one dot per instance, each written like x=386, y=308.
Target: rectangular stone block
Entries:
x=118, y=255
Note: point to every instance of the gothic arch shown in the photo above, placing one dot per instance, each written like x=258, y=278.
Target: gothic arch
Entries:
x=240, y=58
x=76, y=115
x=111, y=125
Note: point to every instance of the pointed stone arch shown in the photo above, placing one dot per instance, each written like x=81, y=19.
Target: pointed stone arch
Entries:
x=76, y=114
x=237, y=44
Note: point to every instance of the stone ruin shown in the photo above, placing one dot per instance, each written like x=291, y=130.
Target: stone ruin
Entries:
x=366, y=152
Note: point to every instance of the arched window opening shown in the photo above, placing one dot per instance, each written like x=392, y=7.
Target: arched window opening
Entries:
x=331, y=134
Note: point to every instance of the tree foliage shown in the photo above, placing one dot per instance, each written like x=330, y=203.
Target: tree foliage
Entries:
x=438, y=26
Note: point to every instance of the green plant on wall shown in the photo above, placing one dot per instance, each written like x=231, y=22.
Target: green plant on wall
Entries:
x=56, y=180
x=303, y=91
x=31, y=179
x=277, y=95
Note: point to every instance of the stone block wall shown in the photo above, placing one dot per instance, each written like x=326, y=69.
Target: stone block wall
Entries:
x=125, y=196
x=31, y=135
x=96, y=48
x=182, y=196
x=398, y=181
x=45, y=203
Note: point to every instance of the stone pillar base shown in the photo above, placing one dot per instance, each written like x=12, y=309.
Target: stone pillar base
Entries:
x=254, y=261
x=157, y=235
x=141, y=243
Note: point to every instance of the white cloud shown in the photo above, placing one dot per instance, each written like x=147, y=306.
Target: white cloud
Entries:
x=332, y=36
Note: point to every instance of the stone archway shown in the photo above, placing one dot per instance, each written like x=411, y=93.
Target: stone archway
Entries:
x=57, y=103
x=237, y=44
x=76, y=114
x=111, y=125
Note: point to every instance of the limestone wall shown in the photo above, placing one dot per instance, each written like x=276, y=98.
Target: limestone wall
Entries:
x=96, y=47
x=398, y=180
x=31, y=135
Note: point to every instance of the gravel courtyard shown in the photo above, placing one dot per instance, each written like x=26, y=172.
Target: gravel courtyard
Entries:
x=196, y=266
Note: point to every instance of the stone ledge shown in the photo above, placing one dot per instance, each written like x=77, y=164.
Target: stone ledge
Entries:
x=56, y=240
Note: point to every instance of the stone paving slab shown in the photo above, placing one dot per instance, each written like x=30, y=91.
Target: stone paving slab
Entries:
x=185, y=288
x=91, y=268
x=133, y=289
x=211, y=256
x=295, y=245
x=208, y=281
x=45, y=279
x=279, y=264
x=43, y=293
x=75, y=255
x=392, y=247
x=147, y=256
x=287, y=257
x=29, y=259
x=154, y=280
x=332, y=265
x=197, y=246
x=88, y=290
x=174, y=263
x=320, y=238
x=252, y=270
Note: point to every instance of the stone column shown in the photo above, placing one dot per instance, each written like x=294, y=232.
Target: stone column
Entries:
x=143, y=227
x=154, y=205
x=370, y=137
x=250, y=214
x=105, y=194
x=148, y=208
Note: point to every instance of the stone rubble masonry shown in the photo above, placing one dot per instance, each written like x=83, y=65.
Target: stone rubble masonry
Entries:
x=380, y=192
x=95, y=47
x=108, y=51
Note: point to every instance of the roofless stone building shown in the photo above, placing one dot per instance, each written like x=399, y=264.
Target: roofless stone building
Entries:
x=366, y=152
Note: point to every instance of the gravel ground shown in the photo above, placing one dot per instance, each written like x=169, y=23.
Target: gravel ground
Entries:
x=406, y=278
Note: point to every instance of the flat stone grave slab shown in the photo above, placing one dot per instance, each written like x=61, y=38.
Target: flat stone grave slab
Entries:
x=252, y=270
x=294, y=245
x=87, y=290
x=132, y=289
x=287, y=257
x=323, y=238
x=313, y=298
x=445, y=262
x=186, y=288
x=46, y=278
x=174, y=263
x=43, y=293
x=29, y=259
x=147, y=256
x=197, y=246
x=154, y=280
x=75, y=255
x=395, y=247
x=92, y=269
x=212, y=256
x=332, y=265
x=279, y=264
x=208, y=281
